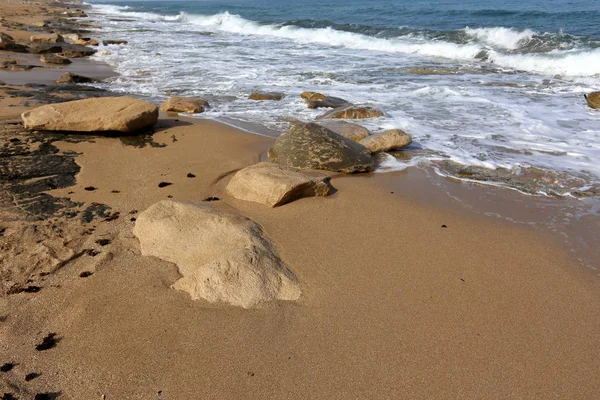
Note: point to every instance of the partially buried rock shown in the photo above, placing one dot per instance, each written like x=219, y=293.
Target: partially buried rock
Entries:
x=352, y=112
x=188, y=105
x=260, y=95
x=52, y=59
x=393, y=139
x=274, y=185
x=123, y=114
x=74, y=78
x=47, y=38
x=319, y=100
x=222, y=256
x=593, y=100
x=348, y=130
x=312, y=146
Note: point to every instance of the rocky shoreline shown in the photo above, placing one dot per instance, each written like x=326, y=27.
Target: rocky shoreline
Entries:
x=135, y=241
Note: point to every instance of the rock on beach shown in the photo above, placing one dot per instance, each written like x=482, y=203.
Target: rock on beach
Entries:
x=392, y=139
x=122, y=114
x=312, y=146
x=348, y=130
x=274, y=185
x=319, y=100
x=187, y=105
x=221, y=255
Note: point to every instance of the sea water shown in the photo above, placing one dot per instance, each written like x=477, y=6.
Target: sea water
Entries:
x=491, y=85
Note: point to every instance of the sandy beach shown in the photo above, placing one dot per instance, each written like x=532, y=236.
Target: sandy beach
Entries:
x=404, y=295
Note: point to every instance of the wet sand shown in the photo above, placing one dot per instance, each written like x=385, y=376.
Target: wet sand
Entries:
x=404, y=294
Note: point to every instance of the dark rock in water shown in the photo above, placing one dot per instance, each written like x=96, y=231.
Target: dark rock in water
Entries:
x=164, y=184
x=74, y=78
x=190, y=175
x=108, y=42
x=260, y=95
x=312, y=146
x=530, y=180
x=86, y=274
x=352, y=112
x=319, y=100
x=593, y=100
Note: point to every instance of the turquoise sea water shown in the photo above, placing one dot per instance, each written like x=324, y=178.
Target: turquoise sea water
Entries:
x=486, y=84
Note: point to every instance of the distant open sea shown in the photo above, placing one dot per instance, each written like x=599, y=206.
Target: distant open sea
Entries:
x=494, y=84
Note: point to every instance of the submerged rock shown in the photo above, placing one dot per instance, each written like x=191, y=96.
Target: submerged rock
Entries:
x=392, y=139
x=274, y=185
x=319, y=100
x=187, y=105
x=260, y=95
x=352, y=112
x=348, y=130
x=529, y=180
x=222, y=256
x=122, y=114
x=74, y=78
x=593, y=100
x=312, y=146
x=108, y=42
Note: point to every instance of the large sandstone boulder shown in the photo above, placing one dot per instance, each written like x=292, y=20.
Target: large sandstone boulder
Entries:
x=312, y=146
x=123, y=114
x=352, y=112
x=53, y=59
x=74, y=78
x=393, y=139
x=187, y=105
x=593, y=100
x=348, y=130
x=47, y=38
x=261, y=95
x=274, y=185
x=319, y=100
x=222, y=256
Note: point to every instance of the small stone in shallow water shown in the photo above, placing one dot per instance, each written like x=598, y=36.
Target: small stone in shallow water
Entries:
x=190, y=175
x=86, y=274
x=164, y=184
x=89, y=188
x=444, y=226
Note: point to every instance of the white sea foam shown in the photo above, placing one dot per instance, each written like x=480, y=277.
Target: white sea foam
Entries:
x=488, y=119
x=500, y=37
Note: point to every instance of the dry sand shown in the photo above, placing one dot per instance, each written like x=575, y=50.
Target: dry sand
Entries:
x=393, y=306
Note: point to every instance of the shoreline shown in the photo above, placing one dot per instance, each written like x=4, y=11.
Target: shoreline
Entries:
x=410, y=294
